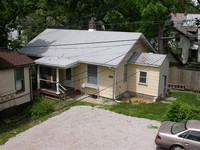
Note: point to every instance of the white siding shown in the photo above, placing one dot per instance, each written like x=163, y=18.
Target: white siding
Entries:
x=106, y=78
x=7, y=80
x=151, y=88
x=8, y=95
x=164, y=71
x=80, y=76
x=122, y=86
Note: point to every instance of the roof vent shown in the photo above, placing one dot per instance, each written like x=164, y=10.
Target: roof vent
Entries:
x=92, y=24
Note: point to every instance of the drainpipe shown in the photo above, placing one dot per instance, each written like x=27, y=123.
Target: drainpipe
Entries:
x=38, y=77
x=115, y=84
x=57, y=81
x=30, y=83
x=114, y=81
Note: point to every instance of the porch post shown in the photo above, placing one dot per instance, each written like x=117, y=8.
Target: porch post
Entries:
x=57, y=81
x=38, y=77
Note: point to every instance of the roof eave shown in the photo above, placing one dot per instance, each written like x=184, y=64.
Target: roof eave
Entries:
x=147, y=65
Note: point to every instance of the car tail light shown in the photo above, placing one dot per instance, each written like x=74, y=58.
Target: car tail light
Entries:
x=158, y=137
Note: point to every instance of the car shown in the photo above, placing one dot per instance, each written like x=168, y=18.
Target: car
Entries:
x=179, y=135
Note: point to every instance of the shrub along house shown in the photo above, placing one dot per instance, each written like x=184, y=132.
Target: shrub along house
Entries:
x=101, y=63
x=15, y=83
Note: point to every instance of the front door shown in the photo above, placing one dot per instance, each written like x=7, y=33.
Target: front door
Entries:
x=68, y=78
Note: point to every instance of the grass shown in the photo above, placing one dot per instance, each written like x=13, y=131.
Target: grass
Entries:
x=153, y=111
x=189, y=98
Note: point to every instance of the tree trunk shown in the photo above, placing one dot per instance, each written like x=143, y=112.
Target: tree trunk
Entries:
x=161, y=49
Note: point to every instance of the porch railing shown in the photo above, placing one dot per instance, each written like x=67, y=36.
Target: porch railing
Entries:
x=62, y=89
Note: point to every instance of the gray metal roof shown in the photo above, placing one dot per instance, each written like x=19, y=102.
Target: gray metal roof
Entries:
x=147, y=59
x=97, y=47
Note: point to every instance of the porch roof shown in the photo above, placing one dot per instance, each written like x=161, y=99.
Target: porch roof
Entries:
x=56, y=62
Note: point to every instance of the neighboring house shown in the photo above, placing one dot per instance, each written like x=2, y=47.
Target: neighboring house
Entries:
x=15, y=83
x=187, y=36
x=101, y=63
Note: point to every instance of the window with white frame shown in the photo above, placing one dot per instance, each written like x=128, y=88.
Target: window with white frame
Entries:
x=19, y=79
x=143, y=77
x=125, y=72
x=92, y=72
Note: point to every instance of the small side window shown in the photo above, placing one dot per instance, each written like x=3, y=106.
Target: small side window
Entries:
x=143, y=77
x=183, y=135
x=194, y=135
x=125, y=72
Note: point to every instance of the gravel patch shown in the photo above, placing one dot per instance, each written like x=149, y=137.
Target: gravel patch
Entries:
x=88, y=128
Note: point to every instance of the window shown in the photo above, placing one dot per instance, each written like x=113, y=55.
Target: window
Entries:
x=19, y=79
x=92, y=74
x=68, y=74
x=183, y=135
x=178, y=127
x=125, y=72
x=194, y=135
x=143, y=77
x=193, y=55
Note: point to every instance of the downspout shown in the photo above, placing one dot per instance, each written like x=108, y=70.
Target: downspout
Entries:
x=31, y=84
x=114, y=82
x=38, y=77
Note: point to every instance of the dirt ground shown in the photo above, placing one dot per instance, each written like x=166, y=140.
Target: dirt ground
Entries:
x=136, y=100
x=88, y=128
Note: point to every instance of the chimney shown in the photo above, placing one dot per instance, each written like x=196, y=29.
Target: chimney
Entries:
x=92, y=25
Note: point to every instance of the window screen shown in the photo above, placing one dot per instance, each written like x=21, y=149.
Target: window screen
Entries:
x=92, y=74
x=19, y=79
x=125, y=72
x=143, y=77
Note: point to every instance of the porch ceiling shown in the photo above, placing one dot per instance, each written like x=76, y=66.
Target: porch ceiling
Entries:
x=56, y=62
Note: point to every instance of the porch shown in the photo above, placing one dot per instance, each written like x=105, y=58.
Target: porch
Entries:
x=65, y=78
x=54, y=78
x=69, y=93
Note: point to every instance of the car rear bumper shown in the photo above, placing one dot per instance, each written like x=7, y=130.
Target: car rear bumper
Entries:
x=161, y=144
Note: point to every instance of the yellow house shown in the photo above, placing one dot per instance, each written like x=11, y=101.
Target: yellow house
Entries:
x=14, y=79
x=98, y=63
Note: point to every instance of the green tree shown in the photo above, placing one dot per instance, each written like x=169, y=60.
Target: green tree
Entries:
x=147, y=16
x=155, y=13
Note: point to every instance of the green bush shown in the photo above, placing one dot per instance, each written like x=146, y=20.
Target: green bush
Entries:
x=41, y=106
x=180, y=111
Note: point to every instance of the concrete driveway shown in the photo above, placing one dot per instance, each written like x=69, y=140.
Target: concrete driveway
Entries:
x=88, y=128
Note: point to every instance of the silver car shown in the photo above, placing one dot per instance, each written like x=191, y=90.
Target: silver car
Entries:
x=179, y=136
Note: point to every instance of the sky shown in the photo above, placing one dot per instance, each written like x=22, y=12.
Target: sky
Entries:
x=195, y=1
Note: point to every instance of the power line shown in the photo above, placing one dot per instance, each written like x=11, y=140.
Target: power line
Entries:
x=116, y=6
x=105, y=63
x=109, y=85
x=82, y=43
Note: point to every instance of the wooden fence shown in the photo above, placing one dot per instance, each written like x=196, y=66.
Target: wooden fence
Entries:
x=184, y=79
